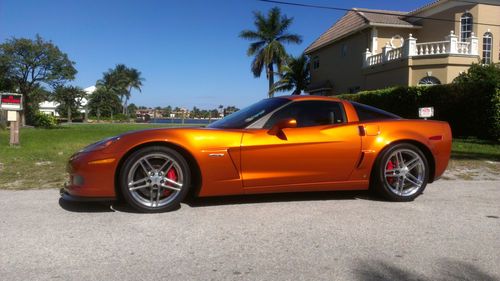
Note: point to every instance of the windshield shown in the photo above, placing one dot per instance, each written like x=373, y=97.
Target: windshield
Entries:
x=242, y=118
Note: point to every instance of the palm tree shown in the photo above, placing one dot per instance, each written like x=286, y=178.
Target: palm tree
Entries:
x=295, y=75
x=114, y=80
x=121, y=80
x=134, y=81
x=267, y=48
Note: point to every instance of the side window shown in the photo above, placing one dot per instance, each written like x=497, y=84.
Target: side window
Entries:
x=310, y=113
x=366, y=113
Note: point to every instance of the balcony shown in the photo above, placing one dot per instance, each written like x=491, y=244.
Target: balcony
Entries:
x=450, y=46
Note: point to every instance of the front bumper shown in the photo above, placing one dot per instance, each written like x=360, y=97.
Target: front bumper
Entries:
x=90, y=178
x=65, y=195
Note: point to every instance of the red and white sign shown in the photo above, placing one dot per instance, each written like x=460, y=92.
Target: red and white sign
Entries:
x=426, y=112
x=10, y=101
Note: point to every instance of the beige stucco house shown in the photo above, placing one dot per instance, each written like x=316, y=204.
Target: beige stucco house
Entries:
x=372, y=49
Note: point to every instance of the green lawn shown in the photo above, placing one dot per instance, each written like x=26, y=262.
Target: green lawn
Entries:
x=40, y=161
x=475, y=149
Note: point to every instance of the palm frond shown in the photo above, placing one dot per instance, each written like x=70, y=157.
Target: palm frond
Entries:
x=281, y=86
x=258, y=64
x=255, y=47
x=290, y=38
x=250, y=35
x=267, y=48
x=285, y=23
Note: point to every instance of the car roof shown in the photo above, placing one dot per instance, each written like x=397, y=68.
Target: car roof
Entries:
x=310, y=97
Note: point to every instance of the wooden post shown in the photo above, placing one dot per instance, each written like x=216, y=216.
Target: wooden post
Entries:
x=14, y=131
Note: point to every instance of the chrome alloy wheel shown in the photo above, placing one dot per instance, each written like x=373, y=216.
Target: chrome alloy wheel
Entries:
x=404, y=172
x=155, y=180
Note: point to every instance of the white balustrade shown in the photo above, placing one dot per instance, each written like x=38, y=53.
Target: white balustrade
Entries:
x=433, y=48
x=375, y=59
x=463, y=48
x=395, y=54
x=412, y=49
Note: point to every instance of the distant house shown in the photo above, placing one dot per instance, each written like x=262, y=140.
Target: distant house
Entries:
x=371, y=49
x=149, y=113
x=50, y=107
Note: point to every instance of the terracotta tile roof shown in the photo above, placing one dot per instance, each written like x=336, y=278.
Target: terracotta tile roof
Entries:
x=384, y=17
x=425, y=7
x=358, y=19
x=349, y=22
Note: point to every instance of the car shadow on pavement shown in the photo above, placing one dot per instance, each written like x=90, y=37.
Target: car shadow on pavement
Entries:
x=97, y=207
x=279, y=197
x=445, y=269
x=85, y=207
x=195, y=202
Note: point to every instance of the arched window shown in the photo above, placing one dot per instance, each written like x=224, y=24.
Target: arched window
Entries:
x=465, y=26
x=429, y=81
x=487, y=45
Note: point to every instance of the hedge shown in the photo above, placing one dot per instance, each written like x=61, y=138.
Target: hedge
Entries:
x=470, y=106
x=46, y=121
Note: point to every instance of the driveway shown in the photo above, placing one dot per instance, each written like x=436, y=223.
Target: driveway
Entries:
x=452, y=232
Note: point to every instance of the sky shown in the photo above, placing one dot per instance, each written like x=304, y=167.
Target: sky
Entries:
x=188, y=51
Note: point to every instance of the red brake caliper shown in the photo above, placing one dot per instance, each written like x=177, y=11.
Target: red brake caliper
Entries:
x=171, y=175
x=390, y=166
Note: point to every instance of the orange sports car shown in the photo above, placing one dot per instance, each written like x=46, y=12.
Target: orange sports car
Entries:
x=281, y=144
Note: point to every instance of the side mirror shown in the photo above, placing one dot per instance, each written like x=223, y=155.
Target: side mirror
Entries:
x=277, y=129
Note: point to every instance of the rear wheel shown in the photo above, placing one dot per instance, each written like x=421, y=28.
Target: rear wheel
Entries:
x=155, y=179
x=401, y=172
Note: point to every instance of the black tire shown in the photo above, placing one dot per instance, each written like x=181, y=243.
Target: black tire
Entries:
x=133, y=168
x=383, y=183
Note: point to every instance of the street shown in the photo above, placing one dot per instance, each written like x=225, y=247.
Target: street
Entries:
x=451, y=232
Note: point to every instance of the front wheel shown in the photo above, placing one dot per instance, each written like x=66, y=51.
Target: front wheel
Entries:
x=401, y=172
x=155, y=179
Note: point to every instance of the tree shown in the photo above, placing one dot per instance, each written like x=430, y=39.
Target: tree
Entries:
x=267, y=48
x=195, y=113
x=214, y=113
x=479, y=87
x=70, y=99
x=230, y=109
x=6, y=84
x=134, y=81
x=294, y=75
x=104, y=102
x=121, y=80
x=131, y=108
x=489, y=73
x=30, y=64
x=168, y=111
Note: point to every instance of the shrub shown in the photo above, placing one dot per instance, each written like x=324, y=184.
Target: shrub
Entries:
x=121, y=117
x=42, y=120
x=471, y=105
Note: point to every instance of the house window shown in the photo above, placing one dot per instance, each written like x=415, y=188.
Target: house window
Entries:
x=487, y=45
x=429, y=81
x=315, y=62
x=465, y=26
x=343, y=50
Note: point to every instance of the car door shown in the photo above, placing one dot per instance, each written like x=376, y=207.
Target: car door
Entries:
x=322, y=148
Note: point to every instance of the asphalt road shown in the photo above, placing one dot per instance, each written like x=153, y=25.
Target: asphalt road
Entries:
x=452, y=232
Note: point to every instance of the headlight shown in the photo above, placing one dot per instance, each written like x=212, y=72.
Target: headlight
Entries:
x=100, y=144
